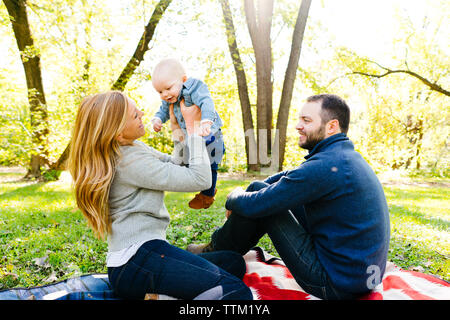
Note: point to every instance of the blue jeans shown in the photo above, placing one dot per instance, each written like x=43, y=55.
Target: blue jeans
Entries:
x=212, y=190
x=292, y=242
x=216, y=149
x=158, y=267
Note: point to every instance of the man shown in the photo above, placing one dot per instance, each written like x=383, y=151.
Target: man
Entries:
x=328, y=218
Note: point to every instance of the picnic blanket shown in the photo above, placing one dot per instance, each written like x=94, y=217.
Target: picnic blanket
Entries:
x=269, y=279
x=266, y=276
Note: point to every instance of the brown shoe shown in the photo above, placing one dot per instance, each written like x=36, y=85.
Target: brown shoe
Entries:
x=201, y=201
x=199, y=248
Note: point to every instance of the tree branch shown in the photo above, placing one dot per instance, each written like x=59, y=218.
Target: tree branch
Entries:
x=431, y=85
x=128, y=71
x=142, y=46
x=250, y=15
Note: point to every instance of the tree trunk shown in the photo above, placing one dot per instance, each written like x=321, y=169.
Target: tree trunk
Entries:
x=289, y=78
x=36, y=97
x=131, y=66
x=250, y=143
x=259, y=25
x=259, y=21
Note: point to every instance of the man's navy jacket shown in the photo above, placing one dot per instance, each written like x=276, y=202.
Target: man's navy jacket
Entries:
x=340, y=202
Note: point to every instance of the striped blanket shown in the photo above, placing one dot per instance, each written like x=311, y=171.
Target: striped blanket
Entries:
x=267, y=277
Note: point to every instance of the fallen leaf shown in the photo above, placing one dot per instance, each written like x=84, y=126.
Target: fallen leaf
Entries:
x=51, y=278
x=41, y=262
x=416, y=268
x=428, y=263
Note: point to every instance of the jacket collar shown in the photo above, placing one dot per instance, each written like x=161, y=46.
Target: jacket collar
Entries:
x=322, y=145
x=186, y=85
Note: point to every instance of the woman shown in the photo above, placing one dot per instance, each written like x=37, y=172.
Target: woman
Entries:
x=119, y=186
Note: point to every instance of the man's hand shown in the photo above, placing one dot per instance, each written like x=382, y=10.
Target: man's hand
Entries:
x=157, y=124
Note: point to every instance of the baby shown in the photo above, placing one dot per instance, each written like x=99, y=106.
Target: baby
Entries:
x=171, y=82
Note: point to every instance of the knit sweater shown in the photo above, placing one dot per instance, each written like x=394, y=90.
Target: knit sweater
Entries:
x=338, y=199
x=136, y=198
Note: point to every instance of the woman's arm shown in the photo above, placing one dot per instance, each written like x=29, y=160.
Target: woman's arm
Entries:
x=145, y=169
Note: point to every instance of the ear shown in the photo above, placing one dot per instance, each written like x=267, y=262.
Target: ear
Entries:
x=119, y=138
x=332, y=127
x=184, y=78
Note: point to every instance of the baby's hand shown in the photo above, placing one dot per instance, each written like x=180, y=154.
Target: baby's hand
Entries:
x=157, y=124
x=205, y=128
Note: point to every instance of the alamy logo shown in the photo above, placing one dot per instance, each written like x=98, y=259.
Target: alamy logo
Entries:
x=375, y=276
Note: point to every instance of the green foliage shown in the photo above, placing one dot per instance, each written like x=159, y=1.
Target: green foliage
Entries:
x=15, y=137
x=397, y=122
x=221, y=79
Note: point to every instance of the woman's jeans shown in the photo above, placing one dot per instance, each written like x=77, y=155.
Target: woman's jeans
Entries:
x=158, y=267
x=292, y=242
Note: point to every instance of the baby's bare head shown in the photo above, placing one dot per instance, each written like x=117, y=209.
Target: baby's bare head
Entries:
x=168, y=78
x=167, y=70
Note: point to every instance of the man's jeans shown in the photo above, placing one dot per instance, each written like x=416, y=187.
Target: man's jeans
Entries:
x=292, y=242
x=158, y=267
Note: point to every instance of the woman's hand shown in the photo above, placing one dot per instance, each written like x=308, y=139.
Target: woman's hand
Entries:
x=192, y=116
x=177, y=133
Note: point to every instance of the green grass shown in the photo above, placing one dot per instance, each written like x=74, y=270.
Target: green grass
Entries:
x=420, y=225
x=44, y=238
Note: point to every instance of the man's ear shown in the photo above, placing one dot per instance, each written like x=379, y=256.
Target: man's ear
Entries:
x=332, y=127
x=184, y=78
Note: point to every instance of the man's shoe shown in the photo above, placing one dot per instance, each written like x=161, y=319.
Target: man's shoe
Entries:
x=201, y=201
x=200, y=248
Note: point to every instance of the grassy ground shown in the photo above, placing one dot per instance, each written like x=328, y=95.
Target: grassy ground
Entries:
x=44, y=238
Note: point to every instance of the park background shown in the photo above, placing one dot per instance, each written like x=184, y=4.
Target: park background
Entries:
x=388, y=59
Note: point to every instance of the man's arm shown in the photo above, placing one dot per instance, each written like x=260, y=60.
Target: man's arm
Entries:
x=274, y=178
x=295, y=188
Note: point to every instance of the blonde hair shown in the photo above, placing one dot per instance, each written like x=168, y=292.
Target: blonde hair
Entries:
x=94, y=151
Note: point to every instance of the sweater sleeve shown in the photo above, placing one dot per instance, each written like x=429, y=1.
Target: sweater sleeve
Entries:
x=164, y=157
x=292, y=189
x=143, y=169
x=274, y=178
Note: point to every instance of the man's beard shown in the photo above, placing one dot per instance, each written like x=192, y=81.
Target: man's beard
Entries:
x=313, y=138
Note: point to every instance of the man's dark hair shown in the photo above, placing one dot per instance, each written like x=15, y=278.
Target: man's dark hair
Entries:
x=333, y=107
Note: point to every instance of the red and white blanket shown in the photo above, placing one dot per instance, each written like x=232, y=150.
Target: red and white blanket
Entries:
x=269, y=279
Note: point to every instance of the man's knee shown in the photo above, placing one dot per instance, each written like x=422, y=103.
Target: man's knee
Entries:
x=257, y=185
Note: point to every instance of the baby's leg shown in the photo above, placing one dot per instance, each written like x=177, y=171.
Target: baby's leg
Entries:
x=212, y=190
x=178, y=135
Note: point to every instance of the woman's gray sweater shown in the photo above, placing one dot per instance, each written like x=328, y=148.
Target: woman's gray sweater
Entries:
x=136, y=198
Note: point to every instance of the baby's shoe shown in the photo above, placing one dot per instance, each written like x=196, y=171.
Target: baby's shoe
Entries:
x=202, y=201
